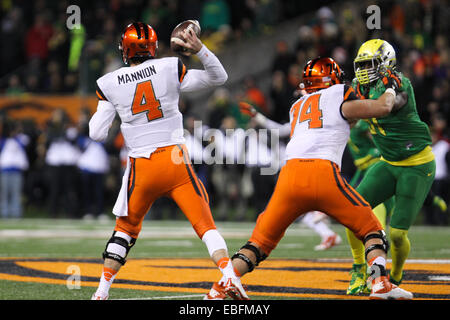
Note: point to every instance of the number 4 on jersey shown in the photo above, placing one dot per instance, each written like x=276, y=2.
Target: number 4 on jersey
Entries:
x=145, y=101
x=307, y=110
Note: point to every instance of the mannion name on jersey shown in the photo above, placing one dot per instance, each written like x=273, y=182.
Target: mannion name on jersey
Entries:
x=138, y=75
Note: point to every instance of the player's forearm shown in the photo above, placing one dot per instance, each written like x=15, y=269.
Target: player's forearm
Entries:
x=284, y=129
x=386, y=102
x=378, y=108
x=98, y=131
x=101, y=121
x=214, y=69
x=365, y=109
x=213, y=74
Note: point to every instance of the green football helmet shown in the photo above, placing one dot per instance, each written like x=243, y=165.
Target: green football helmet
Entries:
x=374, y=57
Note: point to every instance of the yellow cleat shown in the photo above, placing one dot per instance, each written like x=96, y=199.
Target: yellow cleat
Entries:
x=358, y=282
x=440, y=203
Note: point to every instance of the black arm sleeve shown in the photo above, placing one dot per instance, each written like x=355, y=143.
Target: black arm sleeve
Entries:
x=349, y=94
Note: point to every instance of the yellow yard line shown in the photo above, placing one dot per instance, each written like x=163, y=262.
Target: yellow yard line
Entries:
x=310, y=278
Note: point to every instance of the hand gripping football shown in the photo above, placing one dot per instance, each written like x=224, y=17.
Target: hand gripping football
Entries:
x=178, y=33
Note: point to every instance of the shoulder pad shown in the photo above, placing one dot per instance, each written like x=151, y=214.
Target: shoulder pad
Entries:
x=101, y=88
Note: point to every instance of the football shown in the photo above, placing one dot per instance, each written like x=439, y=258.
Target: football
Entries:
x=177, y=33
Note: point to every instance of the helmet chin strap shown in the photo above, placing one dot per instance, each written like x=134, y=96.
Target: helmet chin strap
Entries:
x=125, y=57
x=124, y=60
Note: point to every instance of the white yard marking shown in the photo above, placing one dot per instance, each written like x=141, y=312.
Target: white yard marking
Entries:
x=291, y=245
x=166, y=297
x=171, y=243
x=433, y=261
x=418, y=261
x=439, y=278
x=148, y=232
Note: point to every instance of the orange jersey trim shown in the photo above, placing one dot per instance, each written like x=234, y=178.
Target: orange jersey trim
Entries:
x=349, y=91
x=99, y=96
x=183, y=73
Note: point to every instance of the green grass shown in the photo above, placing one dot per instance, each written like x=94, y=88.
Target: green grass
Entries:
x=17, y=290
x=77, y=238
x=61, y=238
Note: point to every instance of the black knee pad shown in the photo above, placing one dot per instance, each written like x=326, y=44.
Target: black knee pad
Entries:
x=259, y=257
x=114, y=254
x=380, y=235
x=243, y=257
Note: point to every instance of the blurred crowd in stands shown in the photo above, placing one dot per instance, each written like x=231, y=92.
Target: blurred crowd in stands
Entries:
x=65, y=173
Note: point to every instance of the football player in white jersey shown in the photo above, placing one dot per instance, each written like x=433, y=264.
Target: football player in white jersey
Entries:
x=315, y=220
x=145, y=96
x=311, y=180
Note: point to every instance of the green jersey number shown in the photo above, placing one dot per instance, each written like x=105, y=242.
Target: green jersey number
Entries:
x=375, y=127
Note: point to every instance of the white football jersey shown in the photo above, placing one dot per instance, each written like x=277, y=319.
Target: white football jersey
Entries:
x=146, y=98
x=318, y=128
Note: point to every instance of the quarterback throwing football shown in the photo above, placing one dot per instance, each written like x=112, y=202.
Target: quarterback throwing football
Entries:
x=145, y=96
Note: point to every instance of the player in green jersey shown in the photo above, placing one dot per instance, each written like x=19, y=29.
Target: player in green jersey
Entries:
x=365, y=154
x=362, y=149
x=407, y=166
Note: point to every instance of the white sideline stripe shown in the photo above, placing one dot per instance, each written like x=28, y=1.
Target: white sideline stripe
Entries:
x=439, y=278
x=418, y=261
x=181, y=232
x=166, y=297
x=435, y=261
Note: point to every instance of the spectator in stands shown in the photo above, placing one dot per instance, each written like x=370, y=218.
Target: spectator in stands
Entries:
x=32, y=83
x=227, y=172
x=326, y=31
x=215, y=15
x=13, y=163
x=38, y=37
x=441, y=183
x=15, y=87
x=12, y=30
x=218, y=107
x=294, y=78
x=258, y=155
x=94, y=165
x=61, y=157
x=44, y=56
x=284, y=57
x=55, y=82
x=161, y=15
x=254, y=95
x=281, y=94
x=77, y=40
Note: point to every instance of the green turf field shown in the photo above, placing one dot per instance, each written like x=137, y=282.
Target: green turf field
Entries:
x=35, y=253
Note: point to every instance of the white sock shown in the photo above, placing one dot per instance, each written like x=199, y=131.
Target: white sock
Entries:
x=227, y=270
x=214, y=241
x=106, y=281
x=378, y=260
x=323, y=230
x=320, y=227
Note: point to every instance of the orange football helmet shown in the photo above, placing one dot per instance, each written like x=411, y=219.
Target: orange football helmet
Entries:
x=321, y=73
x=139, y=40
